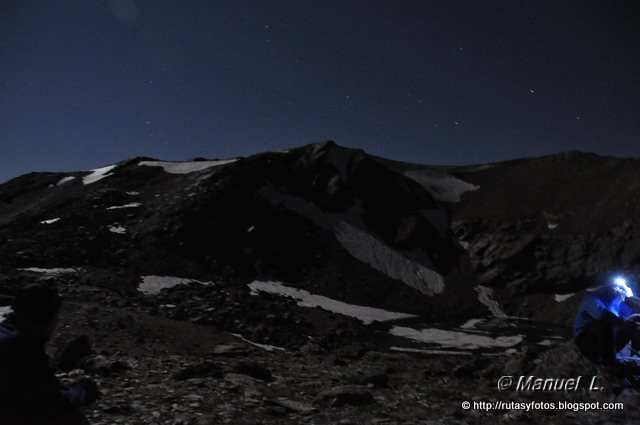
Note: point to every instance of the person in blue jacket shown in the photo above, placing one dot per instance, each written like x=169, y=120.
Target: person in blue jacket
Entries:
x=605, y=323
x=30, y=393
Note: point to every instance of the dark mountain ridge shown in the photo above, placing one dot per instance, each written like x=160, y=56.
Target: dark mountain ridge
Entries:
x=247, y=290
x=322, y=217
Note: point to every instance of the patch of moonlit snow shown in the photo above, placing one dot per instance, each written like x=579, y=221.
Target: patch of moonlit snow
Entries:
x=470, y=324
x=444, y=187
x=185, y=167
x=370, y=250
x=455, y=339
x=65, y=180
x=464, y=245
x=133, y=193
x=5, y=311
x=117, y=229
x=152, y=285
x=485, y=296
x=50, y=221
x=552, y=220
x=420, y=350
x=54, y=271
x=562, y=297
x=131, y=205
x=362, y=245
x=263, y=346
x=97, y=174
x=305, y=299
x=545, y=343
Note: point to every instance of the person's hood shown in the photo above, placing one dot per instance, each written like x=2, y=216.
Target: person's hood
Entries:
x=8, y=330
x=12, y=328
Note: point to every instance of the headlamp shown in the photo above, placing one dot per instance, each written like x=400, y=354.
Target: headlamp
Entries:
x=622, y=284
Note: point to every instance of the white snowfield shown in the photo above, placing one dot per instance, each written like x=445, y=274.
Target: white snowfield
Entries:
x=421, y=350
x=50, y=221
x=383, y=258
x=455, y=339
x=305, y=299
x=562, y=297
x=152, y=285
x=118, y=229
x=65, y=180
x=97, y=174
x=185, y=167
x=362, y=245
x=53, y=271
x=485, y=296
x=130, y=205
x=443, y=186
x=471, y=323
x=5, y=311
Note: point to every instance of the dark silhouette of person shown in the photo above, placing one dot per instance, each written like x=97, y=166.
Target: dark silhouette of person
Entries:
x=605, y=324
x=30, y=393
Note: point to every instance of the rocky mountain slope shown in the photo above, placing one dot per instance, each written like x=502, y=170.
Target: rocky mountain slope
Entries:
x=540, y=231
x=323, y=218
x=297, y=286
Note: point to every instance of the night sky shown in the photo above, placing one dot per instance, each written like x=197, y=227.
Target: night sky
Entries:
x=85, y=83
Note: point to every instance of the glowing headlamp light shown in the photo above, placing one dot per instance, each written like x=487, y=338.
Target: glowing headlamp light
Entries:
x=622, y=284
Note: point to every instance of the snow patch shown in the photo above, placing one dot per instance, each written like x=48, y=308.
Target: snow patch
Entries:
x=131, y=205
x=65, y=180
x=381, y=257
x=53, y=271
x=444, y=187
x=562, y=297
x=455, y=339
x=5, y=311
x=470, y=324
x=305, y=299
x=185, y=167
x=464, y=245
x=133, y=193
x=420, y=350
x=485, y=296
x=50, y=221
x=551, y=219
x=152, y=285
x=362, y=245
x=545, y=343
x=98, y=174
x=263, y=346
x=118, y=229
